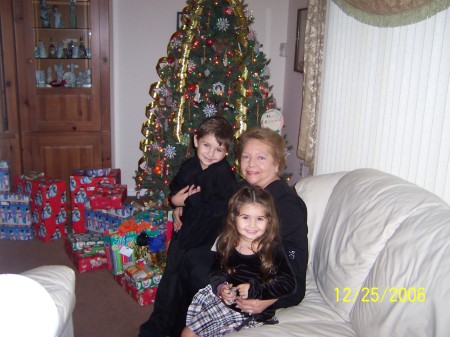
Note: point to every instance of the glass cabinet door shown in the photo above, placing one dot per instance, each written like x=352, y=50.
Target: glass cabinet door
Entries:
x=62, y=43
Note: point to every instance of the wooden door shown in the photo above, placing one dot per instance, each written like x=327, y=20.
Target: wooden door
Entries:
x=65, y=125
x=9, y=113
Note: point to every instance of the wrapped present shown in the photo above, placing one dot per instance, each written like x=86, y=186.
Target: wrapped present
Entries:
x=87, y=251
x=142, y=297
x=12, y=232
x=86, y=260
x=4, y=176
x=142, y=275
x=82, y=186
x=48, y=208
x=108, y=196
x=101, y=220
x=120, y=244
x=15, y=217
x=119, y=249
x=15, y=209
x=22, y=183
x=80, y=241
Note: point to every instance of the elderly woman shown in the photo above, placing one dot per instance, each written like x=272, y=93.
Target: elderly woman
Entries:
x=261, y=155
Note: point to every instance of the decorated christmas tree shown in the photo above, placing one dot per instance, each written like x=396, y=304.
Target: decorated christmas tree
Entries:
x=214, y=66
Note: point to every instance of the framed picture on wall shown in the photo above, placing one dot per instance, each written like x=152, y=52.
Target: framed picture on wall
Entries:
x=299, y=60
x=179, y=23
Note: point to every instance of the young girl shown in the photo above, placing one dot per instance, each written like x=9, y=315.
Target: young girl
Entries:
x=250, y=263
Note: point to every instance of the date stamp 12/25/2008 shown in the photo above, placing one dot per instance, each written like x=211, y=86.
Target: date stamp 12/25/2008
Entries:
x=378, y=295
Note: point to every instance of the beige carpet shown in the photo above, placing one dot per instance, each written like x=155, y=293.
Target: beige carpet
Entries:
x=103, y=308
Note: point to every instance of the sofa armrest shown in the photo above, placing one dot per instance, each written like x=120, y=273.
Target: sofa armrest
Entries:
x=59, y=281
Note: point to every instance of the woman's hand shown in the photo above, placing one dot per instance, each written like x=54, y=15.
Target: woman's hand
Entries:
x=243, y=290
x=178, y=198
x=253, y=306
x=177, y=213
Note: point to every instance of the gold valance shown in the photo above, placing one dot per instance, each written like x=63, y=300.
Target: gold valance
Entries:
x=391, y=13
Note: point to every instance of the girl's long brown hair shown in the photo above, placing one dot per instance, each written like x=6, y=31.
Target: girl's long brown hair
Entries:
x=229, y=238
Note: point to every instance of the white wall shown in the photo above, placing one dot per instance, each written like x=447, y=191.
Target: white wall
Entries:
x=293, y=93
x=140, y=33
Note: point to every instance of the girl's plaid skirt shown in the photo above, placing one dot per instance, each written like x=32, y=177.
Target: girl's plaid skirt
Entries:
x=208, y=316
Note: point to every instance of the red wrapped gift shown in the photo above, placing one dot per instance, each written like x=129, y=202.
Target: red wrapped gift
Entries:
x=48, y=208
x=108, y=196
x=82, y=186
x=50, y=232
x=87, y=261
x=22, y=184
x=142, y=297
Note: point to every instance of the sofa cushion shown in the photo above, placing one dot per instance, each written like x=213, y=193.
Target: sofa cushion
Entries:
x=312, y=318
x=412, y=273
x=363, y=212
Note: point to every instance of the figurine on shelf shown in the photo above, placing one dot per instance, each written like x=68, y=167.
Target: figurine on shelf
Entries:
x=72, y=13
x=42, y=49
x=49, y=75
x=45, y=13
x=57, y=15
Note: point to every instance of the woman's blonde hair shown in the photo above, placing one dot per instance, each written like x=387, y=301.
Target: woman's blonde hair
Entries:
x=271, y=138
x=229, y=238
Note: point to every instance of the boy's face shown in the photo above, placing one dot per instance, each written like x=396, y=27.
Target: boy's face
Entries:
x=208, y=150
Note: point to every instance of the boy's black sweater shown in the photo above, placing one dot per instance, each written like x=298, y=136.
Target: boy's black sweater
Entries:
x=204, y=211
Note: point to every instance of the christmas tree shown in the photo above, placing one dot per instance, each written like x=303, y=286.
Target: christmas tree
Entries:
x=214, y=66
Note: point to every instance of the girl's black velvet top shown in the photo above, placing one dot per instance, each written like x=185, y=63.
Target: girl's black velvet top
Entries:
x=247, y=270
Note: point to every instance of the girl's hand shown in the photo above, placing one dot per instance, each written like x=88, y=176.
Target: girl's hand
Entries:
x=243, y=290
x=177, y=213
x=227, y=294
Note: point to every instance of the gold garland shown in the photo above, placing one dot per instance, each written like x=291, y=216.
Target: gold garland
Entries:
x=243, y=30
x=184, y=62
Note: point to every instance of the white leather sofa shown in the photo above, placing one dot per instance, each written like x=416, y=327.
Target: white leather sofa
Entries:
x=38, y=302
x=379, y=260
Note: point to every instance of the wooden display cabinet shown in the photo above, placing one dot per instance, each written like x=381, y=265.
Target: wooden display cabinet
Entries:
x=65, y=113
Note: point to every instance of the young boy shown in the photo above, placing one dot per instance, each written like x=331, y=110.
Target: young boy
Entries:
x=202, y=187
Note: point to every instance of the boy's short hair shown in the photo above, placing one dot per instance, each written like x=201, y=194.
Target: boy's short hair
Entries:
x=220, y=128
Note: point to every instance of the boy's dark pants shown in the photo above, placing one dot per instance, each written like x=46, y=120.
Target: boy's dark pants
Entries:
x=186, y=272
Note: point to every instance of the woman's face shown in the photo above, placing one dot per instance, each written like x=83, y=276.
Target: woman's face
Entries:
x=257, y=163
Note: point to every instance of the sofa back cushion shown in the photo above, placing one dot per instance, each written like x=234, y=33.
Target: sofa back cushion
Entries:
x=364, y=211
x=315, y=192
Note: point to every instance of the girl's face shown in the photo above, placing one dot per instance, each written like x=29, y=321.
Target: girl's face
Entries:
x=209, y=151
x=257, y=163
x=252, y=222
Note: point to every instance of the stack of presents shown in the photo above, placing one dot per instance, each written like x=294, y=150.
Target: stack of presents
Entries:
x=106, y=231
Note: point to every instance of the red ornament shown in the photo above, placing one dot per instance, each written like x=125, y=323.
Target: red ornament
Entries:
x=210, y=41
x=158, y=166
x=186, y=96
x=230, y=92
x=228, y=11
x=191, y=88
x=170, y=60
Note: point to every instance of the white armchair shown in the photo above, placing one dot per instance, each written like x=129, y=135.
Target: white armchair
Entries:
x=38, y=302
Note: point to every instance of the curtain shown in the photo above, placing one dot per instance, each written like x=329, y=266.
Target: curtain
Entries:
x=314, y=39
x=379, y=13
x=385, y=100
